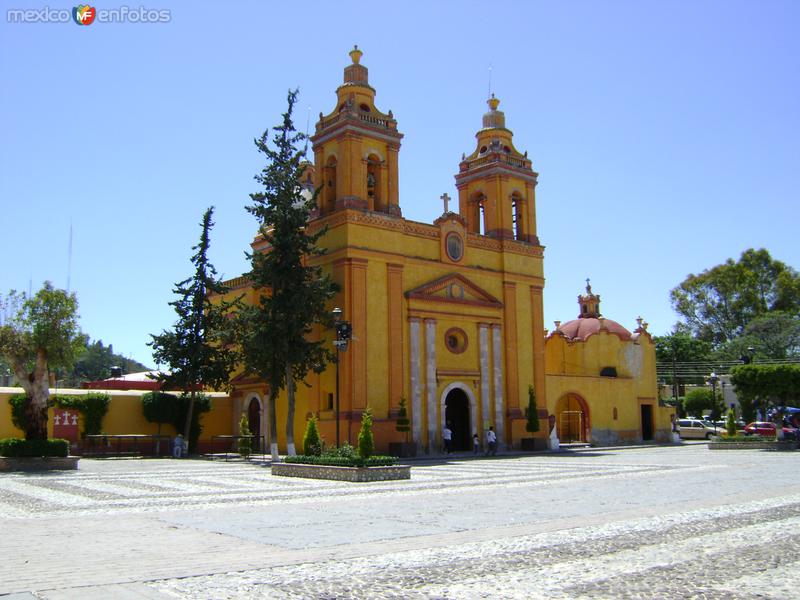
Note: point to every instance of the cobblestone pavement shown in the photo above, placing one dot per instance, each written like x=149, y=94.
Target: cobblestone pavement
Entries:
x=670, y=522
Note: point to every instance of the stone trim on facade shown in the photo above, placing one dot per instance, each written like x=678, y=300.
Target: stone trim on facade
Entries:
x=351, y=474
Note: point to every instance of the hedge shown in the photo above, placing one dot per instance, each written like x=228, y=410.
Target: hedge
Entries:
x=342, y=461
x=16, y=447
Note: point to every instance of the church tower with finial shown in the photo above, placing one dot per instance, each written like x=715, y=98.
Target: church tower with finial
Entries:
x=356, y=147
x=496, y=184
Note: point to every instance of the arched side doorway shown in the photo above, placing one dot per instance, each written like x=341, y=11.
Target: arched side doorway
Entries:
x=458, y=409
x=254, y=420
x=572, y=419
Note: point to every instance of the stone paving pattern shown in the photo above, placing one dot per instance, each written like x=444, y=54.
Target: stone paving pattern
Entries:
x=669, y=522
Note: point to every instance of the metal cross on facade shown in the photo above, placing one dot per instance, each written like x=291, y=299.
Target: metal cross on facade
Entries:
x=446, y=199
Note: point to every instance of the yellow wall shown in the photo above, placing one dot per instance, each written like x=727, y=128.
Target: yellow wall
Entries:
x=124, y=414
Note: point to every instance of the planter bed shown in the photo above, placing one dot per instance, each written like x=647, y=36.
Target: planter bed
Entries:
x=757, y=445
x=352, y=474
x=35, y=463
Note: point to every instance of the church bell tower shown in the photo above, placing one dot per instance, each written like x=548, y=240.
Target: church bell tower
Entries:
x=496, y=184
x=355, y=149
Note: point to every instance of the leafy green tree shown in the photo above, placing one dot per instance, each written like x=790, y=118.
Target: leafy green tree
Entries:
x=730, y=423
x=94, y=364
x=245, y=443
x=159, y=407
x=276, y=333
x=717, y=304
x=698, y=400
x=197, y=351
x=38, y=334
x=403, y=424
x=775, y=335
x=765, y=386
x=679, y=348
x=312, y=445
x=532, y=412
x=366, y=443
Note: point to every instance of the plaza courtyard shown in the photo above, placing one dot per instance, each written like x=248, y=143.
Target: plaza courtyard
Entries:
x=649, y=522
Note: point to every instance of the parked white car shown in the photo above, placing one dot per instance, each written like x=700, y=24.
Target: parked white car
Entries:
x=695, y=429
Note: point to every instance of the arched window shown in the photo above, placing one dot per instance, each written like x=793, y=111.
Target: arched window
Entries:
x=329, y=183
x=517, y=216
x=374, y=182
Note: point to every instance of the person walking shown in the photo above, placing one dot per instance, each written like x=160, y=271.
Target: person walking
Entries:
x=447, y=437
x=476, y=443
x=491, y=442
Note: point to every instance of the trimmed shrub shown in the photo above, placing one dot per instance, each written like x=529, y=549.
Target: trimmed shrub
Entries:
x=730, y=423
x=245, y=443
x=312, y=444
x=403, y=424
x=16, y=447
x=341, y=461
x=159, y=407
x=366, y=444
x=532, y=412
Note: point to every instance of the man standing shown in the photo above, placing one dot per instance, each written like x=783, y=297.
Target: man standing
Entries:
x=447, y=437
x=491, y=442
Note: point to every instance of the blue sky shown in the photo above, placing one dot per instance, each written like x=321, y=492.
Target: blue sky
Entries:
x=666, y=136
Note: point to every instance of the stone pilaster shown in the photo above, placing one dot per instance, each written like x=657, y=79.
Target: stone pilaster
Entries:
x=483, y=353
x=430, y=379
x=416, y=382
x=497, y=366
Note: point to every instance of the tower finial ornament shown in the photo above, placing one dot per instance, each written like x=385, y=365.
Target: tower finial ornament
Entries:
x=356, y=54
x=588, y=286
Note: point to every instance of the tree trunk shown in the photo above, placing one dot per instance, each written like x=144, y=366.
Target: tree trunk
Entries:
x=290, y=387
x=273, y=429
x=37, y=387
x=187, y=427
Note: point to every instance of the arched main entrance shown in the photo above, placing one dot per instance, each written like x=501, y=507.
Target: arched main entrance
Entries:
x=572, y=419
x=254, y=419
x=456, y=415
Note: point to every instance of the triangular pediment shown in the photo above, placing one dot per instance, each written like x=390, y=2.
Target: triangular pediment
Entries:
x=454, y=288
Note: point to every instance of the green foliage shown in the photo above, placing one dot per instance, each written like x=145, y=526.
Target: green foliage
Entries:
x=532, y=412
x=681, y=347
x=245, y=443
x=312, y=444
x=198, y=350
x=201, y=405
x=342, y=461
x=293, y=291
x=718, y=304
x=15, y=447
x=343, y=451
x=403, y=424
x=766, y=385
x=775, y=335
x=730, y=423
x=93, y=408
x=37, y=335
x=698, y=400
x=159, y=407
x=366, y=443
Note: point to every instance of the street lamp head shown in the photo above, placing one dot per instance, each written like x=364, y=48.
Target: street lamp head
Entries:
x=337, y=313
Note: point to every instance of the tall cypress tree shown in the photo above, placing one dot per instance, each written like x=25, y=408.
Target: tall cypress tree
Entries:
x=293, y=292
x=197, y=350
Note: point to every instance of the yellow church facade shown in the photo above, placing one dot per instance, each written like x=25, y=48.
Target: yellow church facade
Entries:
x=447, y=316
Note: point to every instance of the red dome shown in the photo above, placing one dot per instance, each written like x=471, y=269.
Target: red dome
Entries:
x=582, y=328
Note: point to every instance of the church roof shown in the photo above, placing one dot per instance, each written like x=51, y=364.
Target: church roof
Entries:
x=581, y=329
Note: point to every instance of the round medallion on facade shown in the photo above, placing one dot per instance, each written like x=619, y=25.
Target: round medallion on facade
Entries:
x=455, y=246
x=456, y=340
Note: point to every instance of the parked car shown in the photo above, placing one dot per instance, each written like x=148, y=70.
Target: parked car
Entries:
x=767, y=429
x=695, y=429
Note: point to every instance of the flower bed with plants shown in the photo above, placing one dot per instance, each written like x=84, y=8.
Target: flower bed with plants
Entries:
x=345, y=463
x=36, y=455
x=750, y=442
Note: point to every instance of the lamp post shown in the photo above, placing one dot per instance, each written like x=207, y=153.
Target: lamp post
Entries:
x=343, y=333
x=713, y=379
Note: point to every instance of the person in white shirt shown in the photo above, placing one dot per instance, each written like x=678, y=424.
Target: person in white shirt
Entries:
x=447, y=437
x=491, y=442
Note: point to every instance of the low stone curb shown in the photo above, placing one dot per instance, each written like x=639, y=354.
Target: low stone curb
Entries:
x=790, y=445
x=35, y=463
x=352, y=474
